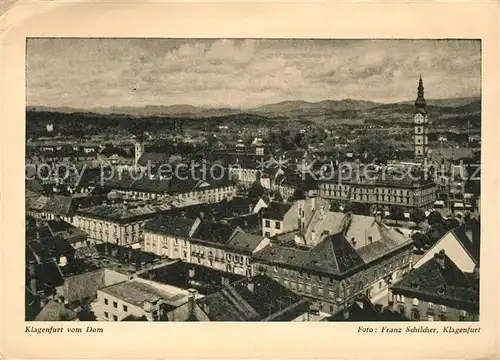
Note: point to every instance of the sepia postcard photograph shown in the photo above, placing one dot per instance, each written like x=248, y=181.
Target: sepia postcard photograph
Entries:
x=302, y=182
x=253, y=180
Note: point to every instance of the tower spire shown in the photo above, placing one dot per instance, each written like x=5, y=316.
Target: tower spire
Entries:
x=420, y=103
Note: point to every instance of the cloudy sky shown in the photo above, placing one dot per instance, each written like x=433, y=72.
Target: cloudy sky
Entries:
x=86, y=73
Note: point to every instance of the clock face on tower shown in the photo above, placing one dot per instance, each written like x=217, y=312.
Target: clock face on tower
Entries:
x=419, y=119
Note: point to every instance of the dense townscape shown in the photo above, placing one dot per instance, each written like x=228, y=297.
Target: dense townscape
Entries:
x=226, y=218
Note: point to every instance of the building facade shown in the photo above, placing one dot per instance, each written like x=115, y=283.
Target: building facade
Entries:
x=356, y=262
x=220, y=246
x=437, y=291
x=381, y=194
x=279, y=218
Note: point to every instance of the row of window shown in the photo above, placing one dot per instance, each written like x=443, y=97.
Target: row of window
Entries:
x=416, y=302
x=277, y=224
x=115, y=305
x=345, y=188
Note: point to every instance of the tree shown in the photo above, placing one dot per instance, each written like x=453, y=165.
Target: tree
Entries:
x=86, y=313
x=299, y=194
x=334, y=205
x=434, y=218
x=397, y=213
x=356, y=208
x=360, y=209
x=256, y=190
x=451, y=223
x=420, y=240
x=418, y=216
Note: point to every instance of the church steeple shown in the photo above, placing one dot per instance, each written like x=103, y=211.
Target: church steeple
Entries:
x=420, y=103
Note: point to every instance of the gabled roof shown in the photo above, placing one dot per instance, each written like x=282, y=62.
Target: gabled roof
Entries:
x=334, y=255
x=54, y=311
x=440, y=281
x=276, y=211
x=237, y=206
x=268, y=301
x=51, y=248
x=244, y=242
x=57, y=204
x=65, y=230
x=176, y=225
x=214, y=232
x=336, y=252
x=153, y=158
x=34, y=185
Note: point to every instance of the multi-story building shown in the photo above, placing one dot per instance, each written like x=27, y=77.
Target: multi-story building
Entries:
x=120, y=223
x=51, y=207
x=280, y=218
x=245, y=168
x=437, y=290
x=381, y=194
x=255, y=299
x=217, y=245
x=169, y=236
x=140, y=298
x=461, y=246
x=336, y=257
x=146, y=188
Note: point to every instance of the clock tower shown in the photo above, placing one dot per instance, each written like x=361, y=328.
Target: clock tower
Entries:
x=420, y=124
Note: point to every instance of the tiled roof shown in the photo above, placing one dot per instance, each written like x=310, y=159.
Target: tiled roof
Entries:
x=174, y=185
x=214, y=232
x=51, y=247
x=334, y=255
x=360, y=310
x=440, y=281
x=49, y=274
x=154, y=159
x=245, y=161
x=54, y=311
x=268, y=300
x=124, y=212
x=57, y=204
x=65, y=230
x=451, y=154
x=337, y=253
x=276, y=211
x=244, y=242
x=235, y=207
x=177, y=226
x=34, y=185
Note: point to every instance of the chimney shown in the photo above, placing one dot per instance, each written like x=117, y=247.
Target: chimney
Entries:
x=439, y=258
x=191, y=302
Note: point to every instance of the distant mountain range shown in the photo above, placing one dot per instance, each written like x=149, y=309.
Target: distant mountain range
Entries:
x=295, y=108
